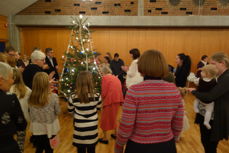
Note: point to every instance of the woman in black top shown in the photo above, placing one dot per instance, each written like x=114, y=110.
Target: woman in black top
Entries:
x=12, y=120
x=182, y=70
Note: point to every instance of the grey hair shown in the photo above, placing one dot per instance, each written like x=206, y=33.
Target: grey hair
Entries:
x=5, y=70
x=106, y=70
x=37, y=55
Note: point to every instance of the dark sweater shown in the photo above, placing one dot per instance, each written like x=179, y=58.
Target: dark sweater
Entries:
x=29, y=73
x=220, y=95
x=11, y=116
x=205, y=86
x=181, y=75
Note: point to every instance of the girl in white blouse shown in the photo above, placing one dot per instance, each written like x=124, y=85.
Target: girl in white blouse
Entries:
x=133, y=76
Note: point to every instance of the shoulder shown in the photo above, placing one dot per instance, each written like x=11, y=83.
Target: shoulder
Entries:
x=53, y=95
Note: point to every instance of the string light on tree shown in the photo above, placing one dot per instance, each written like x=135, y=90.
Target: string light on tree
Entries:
x=79, y=57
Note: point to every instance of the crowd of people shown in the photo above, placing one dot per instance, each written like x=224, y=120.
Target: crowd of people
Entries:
x=149, y=92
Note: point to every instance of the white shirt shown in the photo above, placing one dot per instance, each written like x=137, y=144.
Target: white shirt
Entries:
x=133, y=76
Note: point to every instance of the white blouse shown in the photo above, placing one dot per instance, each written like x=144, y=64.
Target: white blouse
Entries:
x=133, y=76
x=23, y=101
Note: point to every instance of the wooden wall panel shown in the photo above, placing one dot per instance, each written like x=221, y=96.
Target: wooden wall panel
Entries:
x=3, y=28
x=171, y=41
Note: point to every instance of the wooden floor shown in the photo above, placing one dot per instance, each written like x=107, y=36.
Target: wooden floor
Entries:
x=189, y=143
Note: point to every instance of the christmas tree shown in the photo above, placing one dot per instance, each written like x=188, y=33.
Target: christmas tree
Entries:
x=79, y=57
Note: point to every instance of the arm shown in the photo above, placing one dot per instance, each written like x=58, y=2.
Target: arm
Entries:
x=18, y=116
x=57, y=105
x=219, y=90
x=133, y=69
x=70, y=105
x=104, y=87
x=177, y=120
x=127, y=122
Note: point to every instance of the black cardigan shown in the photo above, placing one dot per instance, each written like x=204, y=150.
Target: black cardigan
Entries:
x=220, y=95
x=11, y=116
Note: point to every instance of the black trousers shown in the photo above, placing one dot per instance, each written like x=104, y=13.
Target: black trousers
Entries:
x=9, y=145
x=164, y=147
x=209, y=145
x=86, y=149
x=41, y=143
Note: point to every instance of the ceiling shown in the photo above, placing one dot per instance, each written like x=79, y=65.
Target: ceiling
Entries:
x=12, y=7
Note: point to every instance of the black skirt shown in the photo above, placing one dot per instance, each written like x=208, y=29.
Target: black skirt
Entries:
x=163, y=147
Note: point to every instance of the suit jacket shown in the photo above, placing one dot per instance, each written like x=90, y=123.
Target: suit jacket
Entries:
x=52, y=67
x=199, y=65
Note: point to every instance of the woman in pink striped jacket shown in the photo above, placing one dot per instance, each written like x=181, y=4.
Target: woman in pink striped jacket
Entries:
x=152, y=112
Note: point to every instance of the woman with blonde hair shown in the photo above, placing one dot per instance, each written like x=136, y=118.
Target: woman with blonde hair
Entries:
x=23, y=94
x=84, y=105
x=112, y=98
x=152, y=116
x=44, y=109
x=220, y=95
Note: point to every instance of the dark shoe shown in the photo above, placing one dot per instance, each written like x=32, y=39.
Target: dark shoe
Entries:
x=103, y=141
x=113, y=136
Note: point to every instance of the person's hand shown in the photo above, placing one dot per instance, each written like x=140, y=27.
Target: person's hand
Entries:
x=45, y=66
x=190, y=89
x=125, y=68
x=51, y=75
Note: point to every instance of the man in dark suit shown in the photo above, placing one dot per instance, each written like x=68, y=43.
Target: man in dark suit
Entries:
x=51, y=61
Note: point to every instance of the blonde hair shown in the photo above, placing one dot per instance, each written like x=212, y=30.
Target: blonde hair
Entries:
x=210, y=70
x=5, y=70
x=3, y=57
x=152, y=63
x=40, y=89
x=84, y=86
x=19, y=83
x=220, y=58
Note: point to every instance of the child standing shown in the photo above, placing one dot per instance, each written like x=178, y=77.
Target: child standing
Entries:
x=205, y=84
x=84, y=104
x=44, y=108
x=23, y=94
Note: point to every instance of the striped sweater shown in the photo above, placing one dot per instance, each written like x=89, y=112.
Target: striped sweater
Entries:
x=85, y=120
x=152, y=113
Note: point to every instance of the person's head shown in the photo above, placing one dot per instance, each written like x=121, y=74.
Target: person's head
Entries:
x=19, y=83
x=204, y=58
x=107, y=59
x=12, y=61
x=184, y=61
x=106, y=70
x=152, y=63
x=209, y=71
x=38, y=58
x=84, y=86
x=11, y=51
x=6, y=77
x=221, y=61
x=40, y=89
x=135, y=53
x=108, y=54
x=116, y=56
x=49, y=52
